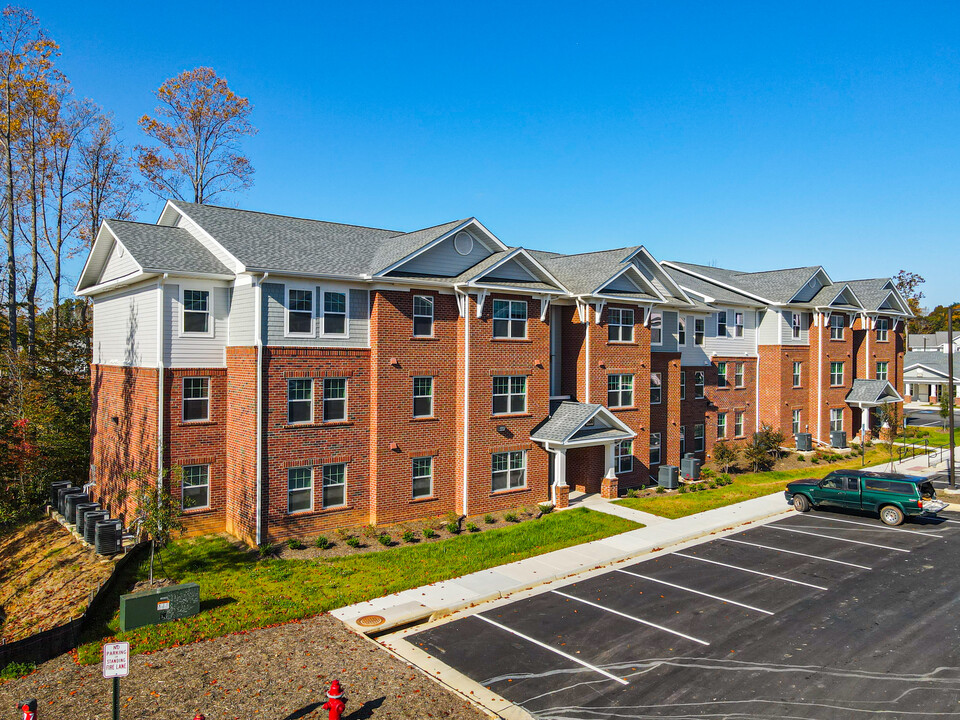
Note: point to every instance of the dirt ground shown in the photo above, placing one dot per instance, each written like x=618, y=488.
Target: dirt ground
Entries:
x=46, y=578
x=280, y=673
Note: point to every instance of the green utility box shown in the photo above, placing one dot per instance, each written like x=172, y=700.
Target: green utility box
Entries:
x=152, y=607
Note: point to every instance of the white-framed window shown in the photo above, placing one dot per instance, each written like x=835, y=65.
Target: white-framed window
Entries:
x=623, y=455
x=683, y=440
x=738, y=375
x=797, y=366
x=422, y=477
x=196, y=399
x=836, y=419
x=510, y=319
x=195, y=487
x=655, y=388
x=334, y=399
x=334, y=319
x=721, y=425
x=837, y=323
x=795, y=324
x=683, y=385
x=721, y=374
x=698, y=384
x=882, y=366
x=300, y=312
x=836, y=373
x=654, y=448
x=299, y=489
x=620, y=325
x=656, y=328
x=196, y=308
x=335, y=485
x=795, y=427
x=422, y=316
x=699, y=328
x=722, y=323
x=681, y=331
x=698, y=437
x=619, y=391
x=738, y=424
x=509, y=470
x=883, y=327
x=509, y=394
x=738, y=324
x=423, y=396
x=299, y=400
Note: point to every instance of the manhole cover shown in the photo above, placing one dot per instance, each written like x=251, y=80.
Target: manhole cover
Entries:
x=370, y=620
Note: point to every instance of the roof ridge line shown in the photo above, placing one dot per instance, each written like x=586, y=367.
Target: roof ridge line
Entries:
x=295, y=217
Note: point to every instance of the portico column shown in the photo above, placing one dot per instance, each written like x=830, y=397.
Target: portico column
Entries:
x=609, y=487
x=866, y=422
x=560, y=490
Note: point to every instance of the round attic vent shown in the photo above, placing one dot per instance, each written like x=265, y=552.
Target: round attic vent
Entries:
x=463, y=242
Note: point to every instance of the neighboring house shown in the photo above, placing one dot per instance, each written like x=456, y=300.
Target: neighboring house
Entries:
x=925, y=376
x=932, y=342
x=314, y=375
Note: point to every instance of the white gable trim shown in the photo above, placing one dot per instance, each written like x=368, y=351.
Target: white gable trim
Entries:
x=819, y=271
x=204, y=237
x=657, y=269
x=490, y=237
x=718, y=283
x=612, y=420
x=547, y=276
x=844, y=289
x=636, y=278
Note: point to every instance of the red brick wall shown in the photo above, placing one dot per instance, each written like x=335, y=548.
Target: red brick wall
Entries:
x=778, y=397
x=832, y=397
x=693, y=410
x=665, y=417
x=731, y=400
x=241, y=443
x=586, y=468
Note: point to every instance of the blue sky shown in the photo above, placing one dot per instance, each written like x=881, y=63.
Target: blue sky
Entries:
x=751, y=136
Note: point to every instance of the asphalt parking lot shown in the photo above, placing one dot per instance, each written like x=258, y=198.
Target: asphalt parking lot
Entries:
x=820, y=615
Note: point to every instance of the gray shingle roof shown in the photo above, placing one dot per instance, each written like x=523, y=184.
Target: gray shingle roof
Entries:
x=872, y=392
x=585, y=272
x=166, y=248
x=871, y=292
x=933, y=360
x=707, y=289
x=775, y=285
x=564, y=421
x=399, y=246
x=931, y=340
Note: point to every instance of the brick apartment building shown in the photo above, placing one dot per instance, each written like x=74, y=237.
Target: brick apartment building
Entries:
x=305, y=375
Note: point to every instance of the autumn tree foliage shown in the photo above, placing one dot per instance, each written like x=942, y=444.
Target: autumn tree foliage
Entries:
x=198, y=124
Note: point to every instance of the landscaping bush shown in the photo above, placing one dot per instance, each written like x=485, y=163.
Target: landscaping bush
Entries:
x=511, y=517
x=683, y=488
x=706, y=474
x=801, y=458
x=472, y=527
x=632, y=493
x=660, y=490
x=265, y=550
x=322, y=542
x=353, y=541
x=545, y=508
x=429, y=533
x=489, y=519
x=815, y=460
x=295, y=544
x=384, y=540
x=453, y=528
x=16, y=670
x=409, y=536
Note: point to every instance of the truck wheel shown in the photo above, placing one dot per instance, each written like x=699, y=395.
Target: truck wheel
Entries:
x=800, y=503
x=891, y=515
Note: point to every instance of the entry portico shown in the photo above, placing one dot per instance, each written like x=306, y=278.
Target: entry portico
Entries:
x=869, y=394
x=580, y=425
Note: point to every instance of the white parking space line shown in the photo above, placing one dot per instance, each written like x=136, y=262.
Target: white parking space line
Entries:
x=794, y=552
x=834, y=537
x=553, y=650
x=821, y=516
x=748, y=570
x=696, y=592
x=631, y=617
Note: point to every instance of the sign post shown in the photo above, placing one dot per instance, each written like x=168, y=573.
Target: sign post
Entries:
x=116, y=664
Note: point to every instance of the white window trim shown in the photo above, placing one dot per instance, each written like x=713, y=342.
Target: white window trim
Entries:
x=738, y=327
x=839, y=413
x=739, y=375
x=656, y=446
x=683, y=384
x=703, y=333
x=723, y=375
x=842, y=328
x=886, y=369
x=622, y=459
x=682, y=321
x=415, y=477
x=797, y=374
x=509, y=395
x=796, y=325
x=738, y=418
x=702, y=385
x=211, y=320
x=346, y=479
x=796, y=421
x=721, y=416
x=312, y=493
x=699, y=443
x=523, y=454
x=414, y=315
x=621, y=324
x=659, y=388
x=885, y=330
x=323, y=399
x=683, y=440
x=414, y=396
x=726, y=326
x=510, y=335
x=313, y=396
x=843, y=373
x=313, y=311
x=656, y=315
x=320, y=301
x=184, y=398
x=620, y=390
x=182, y=486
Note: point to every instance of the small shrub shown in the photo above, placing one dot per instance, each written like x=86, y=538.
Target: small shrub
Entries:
x=343, y=533
x=265, y=550
x=453, y=528
x=801, y=458
x=683, y=488
x=706, y=474
x=451, y=517
x=815, y=460
x=471, y=527
x=632, y=493
x=371, y=531
x=429, y=533
x=384, y=540
x=353, y=541
x=295, y=544
x=713, y=486
x=511, y=517
x=322, y=542
x=726, y=479
x=546, y=508
x=17, y=670
x=661, y=490
x=489, y=519
x=409, y=536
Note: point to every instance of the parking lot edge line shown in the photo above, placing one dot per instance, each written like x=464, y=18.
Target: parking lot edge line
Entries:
x=631, y=617
x=877, y=527
x=748, y=570
x=553, y=650
x=832, y=537
x=794, y=552
x=697, y=592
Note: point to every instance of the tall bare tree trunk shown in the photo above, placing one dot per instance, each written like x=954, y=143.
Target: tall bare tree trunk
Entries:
x=11, y=223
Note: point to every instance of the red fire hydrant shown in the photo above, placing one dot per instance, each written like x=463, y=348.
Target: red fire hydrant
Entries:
x=29, y=709
x=336, y=703
x=199, y=716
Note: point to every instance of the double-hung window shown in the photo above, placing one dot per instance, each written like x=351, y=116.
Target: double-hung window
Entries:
x=334, y=399
x=334, y=313
x=738, y=424
x=422, y=477
x=721, y=425
x=509, y=394
x=656, y=328
x=196, y=312
x=883, y=327
x=334, y=485
x=509, y=319
x=620, y=325
x=738, y=375
x=837, y=323
x=196, y=399
x=836, y=419
x=299, y=400
x=655, y=388
x=722, y=324
x=698, y=437
x=796, y=373
x=300, y=312
x=698, y=383
x=836, y=373
x=738, y=324
x=624, y=456
x=619, y=391
x=654, y=448
x=423, y=397
x=422, y=316
x=721, y=374
x=683, y=385
x=509, y=470
x=699, y=326
x=681, y=331
x=882, y=366
x=196, y=487
x=299, y=489
x=795, y=322
x=795, y=427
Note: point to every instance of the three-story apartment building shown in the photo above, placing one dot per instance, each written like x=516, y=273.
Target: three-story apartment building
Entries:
x=303, y=375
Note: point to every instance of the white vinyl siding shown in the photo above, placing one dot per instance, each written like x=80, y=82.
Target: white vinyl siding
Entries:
x=195, y=350
x=125, y=327
x=241, y=330
x=358, y=317
x=728, y=343
x=443, y=259
x=120, y=263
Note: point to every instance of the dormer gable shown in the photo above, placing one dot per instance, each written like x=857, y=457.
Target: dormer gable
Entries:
x=630, y=283
x=817, y=281
x=444, y=251
x=846, y=299
x=650, y=268
x=515, y=269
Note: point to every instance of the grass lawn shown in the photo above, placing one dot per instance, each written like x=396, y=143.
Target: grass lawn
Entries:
x=934, y=437
x=239, y=592
x=744, y=487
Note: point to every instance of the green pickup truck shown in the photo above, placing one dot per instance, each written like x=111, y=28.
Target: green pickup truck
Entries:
x=891, y=495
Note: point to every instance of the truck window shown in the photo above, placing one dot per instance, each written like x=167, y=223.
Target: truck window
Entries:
x=832, y=482
x=853, y=484
x=927, y=491
x=874, y=484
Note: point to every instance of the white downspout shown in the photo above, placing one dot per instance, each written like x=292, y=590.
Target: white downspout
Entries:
x=866, y=362
x=586, y=391
x=258, y=330
x=160, y=399
x=820, y=323
x=756, y=380
x=466, y=400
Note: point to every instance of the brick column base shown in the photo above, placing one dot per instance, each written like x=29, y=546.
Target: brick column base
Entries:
x=886, y=434
x=609, y=488
x=562, y=495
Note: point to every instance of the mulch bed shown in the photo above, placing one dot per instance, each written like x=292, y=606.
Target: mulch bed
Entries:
x=280, y=673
